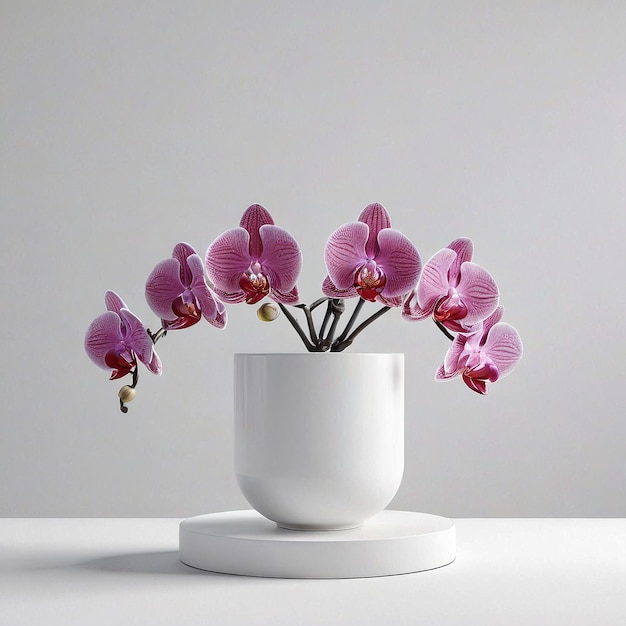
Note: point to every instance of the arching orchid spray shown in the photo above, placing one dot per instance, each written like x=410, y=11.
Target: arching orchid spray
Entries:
x=366, y=260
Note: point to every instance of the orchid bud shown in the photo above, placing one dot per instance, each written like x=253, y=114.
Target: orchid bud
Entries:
x=126, y=393
x=268, y=312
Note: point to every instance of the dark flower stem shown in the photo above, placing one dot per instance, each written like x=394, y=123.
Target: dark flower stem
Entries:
x=155, y=337
x=337, y=308
x=310, y=323
x=326, y=319
x=318, y=302
x=444, y=330
x=341, y=346
x=351, y=321
x=292, y=320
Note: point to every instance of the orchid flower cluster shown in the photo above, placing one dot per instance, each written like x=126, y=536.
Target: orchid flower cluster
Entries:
x=367, y=260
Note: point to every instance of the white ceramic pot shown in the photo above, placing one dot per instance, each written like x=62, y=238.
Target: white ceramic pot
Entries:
x=319, y=437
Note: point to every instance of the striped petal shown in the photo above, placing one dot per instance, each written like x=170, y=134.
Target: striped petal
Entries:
x=464, y=249
x=478, y=291
x=412, y=311
x=182, y=251
x=504, y=347
x=136, y=336
x=329, y=289
x=434, y=281
x=227, y=258
x=163, y=286
x=281, y=259
x=376, y=217
x=253, y=218
x=345, y=253
x=400, y=261
x=212, y=310
x=102, y=336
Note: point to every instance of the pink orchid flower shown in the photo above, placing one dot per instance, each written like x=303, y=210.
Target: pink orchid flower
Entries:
x=456, y=292
x=484, y=356
x=178, y=293
x=257, y=259
x=369, y=259
x=116, y=339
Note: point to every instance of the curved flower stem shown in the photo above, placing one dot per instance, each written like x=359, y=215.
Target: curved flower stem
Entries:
x=444, y=330
x=318, y=302
x=351, y=321
x=310, y=323
x=292, y=320
x=340, y=346
x=326, y=319
x=337, y=307
x=155, y=337
x=158, y=335
x=135, y=372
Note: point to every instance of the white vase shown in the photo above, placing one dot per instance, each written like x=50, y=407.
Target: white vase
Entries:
x=319, y=437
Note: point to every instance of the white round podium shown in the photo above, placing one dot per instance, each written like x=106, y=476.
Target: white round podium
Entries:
x=247, y=544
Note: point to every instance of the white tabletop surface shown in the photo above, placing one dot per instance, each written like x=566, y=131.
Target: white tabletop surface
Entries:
x=126, y=571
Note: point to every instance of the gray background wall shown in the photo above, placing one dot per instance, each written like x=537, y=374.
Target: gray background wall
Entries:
x=129, y=126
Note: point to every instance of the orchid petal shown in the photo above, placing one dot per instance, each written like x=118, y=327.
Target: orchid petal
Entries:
x=182, y=251
x=281, y=260
x=476, y=384
x=441, y=374
x=479, y=292
x=345, y=253
x=399, y=260
x=163, y=286
x=155, y=365
x=329, y=289
x=102, y=335
x=208, y=304
x=376, y=217
x=253, y=218
x=231, y=297
x=434, y=280
x=289, y=297
x=113, y=302
x=493, y=319
x=227, y=259
x=391, y=301
x=451, y=362
x=464, y=249
x=504, y=347
x=136, y=336
x=412, y=311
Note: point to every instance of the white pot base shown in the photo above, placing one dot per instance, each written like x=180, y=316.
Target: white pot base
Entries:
x=247, y=544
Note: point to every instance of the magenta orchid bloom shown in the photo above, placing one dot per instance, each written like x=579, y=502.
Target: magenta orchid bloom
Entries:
x=369, y=259
x=116, y=339
x=178, y=293
x=458, y=293
x=257, y=259
x=484, y=356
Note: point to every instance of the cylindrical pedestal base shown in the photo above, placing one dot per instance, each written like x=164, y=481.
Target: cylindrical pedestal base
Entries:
x=245, y=543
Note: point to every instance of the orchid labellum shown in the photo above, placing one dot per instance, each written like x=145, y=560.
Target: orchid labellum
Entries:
x=369, y=259
x=256, y=260
x=178, y=293
x=457, y=293
x=116, y=339
x=486, y=355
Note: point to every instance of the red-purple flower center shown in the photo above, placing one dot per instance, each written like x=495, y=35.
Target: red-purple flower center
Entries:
x=121, y=360
x=450, y=307
x=369, y=281
x=476, y=377
x=255, y=284
x=187, y=310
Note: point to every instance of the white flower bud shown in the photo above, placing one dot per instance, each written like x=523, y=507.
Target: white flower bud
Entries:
x=268, y=312
x=126, y=393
